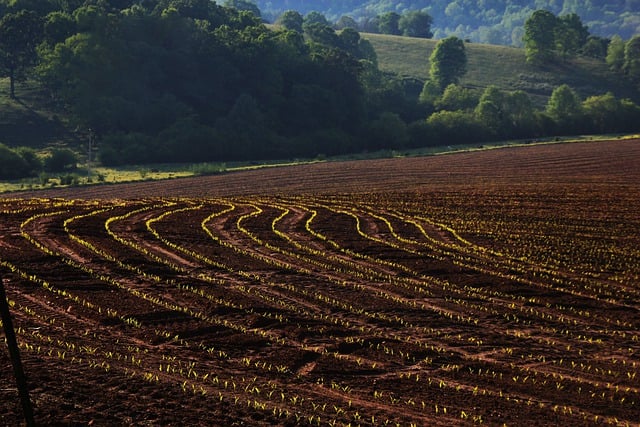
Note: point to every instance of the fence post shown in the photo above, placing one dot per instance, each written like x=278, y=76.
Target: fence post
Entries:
x=14, y=353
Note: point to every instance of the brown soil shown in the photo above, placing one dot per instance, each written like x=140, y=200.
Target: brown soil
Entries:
x=498, y=287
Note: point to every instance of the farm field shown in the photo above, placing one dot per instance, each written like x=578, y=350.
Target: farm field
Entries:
x=499, y=287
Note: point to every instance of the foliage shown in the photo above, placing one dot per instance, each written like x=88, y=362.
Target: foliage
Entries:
x=565, y=108
x=448, y=62
x=454, y=127
x=456, y=97
x=20, y=32
x=389, y=23
x=547, y=37
x=291, y=20
x=243, y=5
x=539, y=37
x=615, y=53
x=570, y=34
x=495, y=22
x=61, y=160
x=632, y=59
x=606, y=114
x=12, y=165
x=416, y=24
x=192, y=81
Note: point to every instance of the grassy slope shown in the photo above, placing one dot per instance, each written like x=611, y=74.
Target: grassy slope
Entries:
x=28, y=120
x=502, y=66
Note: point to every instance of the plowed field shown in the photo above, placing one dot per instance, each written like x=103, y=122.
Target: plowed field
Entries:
x=498, y=287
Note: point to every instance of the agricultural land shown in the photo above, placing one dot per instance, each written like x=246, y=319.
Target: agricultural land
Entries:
x=499, y=287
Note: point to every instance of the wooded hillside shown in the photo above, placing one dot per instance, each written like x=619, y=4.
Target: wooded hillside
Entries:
x=487, y=21
x=165, y=81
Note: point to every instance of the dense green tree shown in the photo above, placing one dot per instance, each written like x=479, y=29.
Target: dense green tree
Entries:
x=596, y=47
x=570, y=34
x=370, y=24
x=448, y=62
x=521, y=114
x=322, y=34
x=91, y=19
x=457, y=97
x=61, y=160
x=58, y=26
x=456, y=127
x=506, y=114
x=615, y=53
x=20, y=33
x=491, y=110
x=416, y=24
x=39, y=7
x=12, y=165
x=291, y=20
x=631, y=65
x=389, y=23
x=565, y=108
x=316, y=17
x=246, y=5
x=346, y=22
x=349, y=41
x=539, y=37
x=388, y=131
x=32, y=160
x=606, y=113
x=430, y=93
x=195, y=9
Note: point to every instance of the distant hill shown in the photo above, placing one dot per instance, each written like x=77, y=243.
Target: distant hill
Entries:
x=487, y=21
x=504, y=67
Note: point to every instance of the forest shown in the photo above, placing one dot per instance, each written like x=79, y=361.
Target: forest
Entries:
x=158, y=81
x=484, y=21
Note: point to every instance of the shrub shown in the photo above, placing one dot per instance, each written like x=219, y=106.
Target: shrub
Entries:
x=12, y=165
x=61, y=160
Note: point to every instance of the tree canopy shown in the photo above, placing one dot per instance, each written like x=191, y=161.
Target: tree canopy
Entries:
x=448, y=62
x=20, y=32
x=495, y=22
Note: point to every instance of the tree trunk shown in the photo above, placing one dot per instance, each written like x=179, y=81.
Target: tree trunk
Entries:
x=14, y=353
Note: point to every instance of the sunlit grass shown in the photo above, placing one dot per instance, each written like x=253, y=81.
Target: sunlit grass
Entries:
x=501, y=66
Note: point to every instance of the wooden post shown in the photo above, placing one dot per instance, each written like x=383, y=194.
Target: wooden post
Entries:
x=14, y=353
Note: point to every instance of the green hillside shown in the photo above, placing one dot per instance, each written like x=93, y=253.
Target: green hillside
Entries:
x=502, y=66
x=30, y=121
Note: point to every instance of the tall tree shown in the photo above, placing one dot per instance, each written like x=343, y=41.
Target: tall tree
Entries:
x=20, y=33
x=346, y=22
x=632, y=59
x=570, y=34
x=448, y=62
x=291, y=20
x=58, y=26
x=539, y=37
x=389, y=23
x=416, y=24
x=247, y=5
x=615, y=53
x=565, y=108
x=315, y=17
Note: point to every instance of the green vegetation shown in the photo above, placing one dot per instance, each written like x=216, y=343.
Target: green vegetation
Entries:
x=186, y=81
x=489, y=21
x=504, y=67
x=448, y=62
